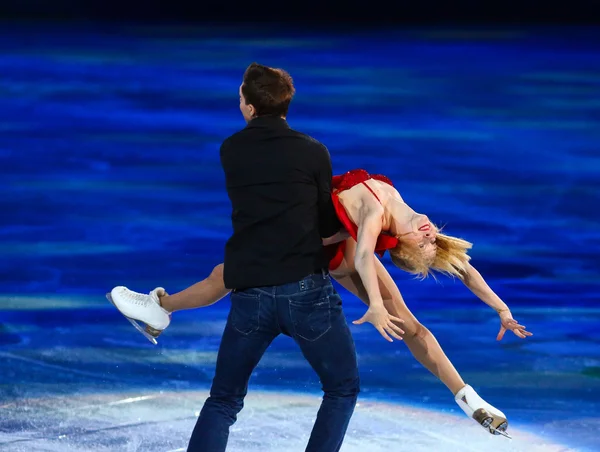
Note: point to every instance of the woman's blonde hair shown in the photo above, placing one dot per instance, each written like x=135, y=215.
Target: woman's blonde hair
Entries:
x=450, y=258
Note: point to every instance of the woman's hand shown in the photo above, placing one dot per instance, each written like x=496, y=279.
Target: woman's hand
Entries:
x=378, y=316
x=507, y=323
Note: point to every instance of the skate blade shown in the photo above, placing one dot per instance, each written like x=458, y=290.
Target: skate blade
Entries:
x=500, y=432
x=486, y=420
x=136, y=325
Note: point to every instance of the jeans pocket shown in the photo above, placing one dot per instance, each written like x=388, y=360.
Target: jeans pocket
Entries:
x=245, y=312
x=310, y=320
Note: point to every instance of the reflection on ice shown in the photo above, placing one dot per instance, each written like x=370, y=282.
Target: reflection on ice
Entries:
x=271, y=422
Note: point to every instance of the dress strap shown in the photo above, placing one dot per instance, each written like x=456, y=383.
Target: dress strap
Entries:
x=371, y=190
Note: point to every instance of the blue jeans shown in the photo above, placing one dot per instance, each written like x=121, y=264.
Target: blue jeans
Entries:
x=309, y=311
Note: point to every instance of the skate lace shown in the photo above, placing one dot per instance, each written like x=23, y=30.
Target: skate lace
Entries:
x=140, y=299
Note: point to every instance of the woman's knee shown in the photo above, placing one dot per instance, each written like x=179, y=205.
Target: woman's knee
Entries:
x=412, y=327
x=415, y=330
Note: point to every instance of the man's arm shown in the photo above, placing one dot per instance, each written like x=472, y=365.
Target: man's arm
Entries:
x=338, y=237
x=329, y=224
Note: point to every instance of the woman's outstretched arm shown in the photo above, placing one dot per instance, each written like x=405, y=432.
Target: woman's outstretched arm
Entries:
x=369, y=228
x=477, y=284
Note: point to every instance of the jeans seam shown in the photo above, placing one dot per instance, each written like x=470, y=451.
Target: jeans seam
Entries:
x=305, y=292
x=290, y=304
x=257, y=319
x=274, y=301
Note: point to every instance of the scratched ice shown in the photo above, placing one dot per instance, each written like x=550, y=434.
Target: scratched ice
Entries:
x=271, y=422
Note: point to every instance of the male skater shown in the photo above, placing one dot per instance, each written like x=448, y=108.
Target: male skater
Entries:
x=279, y=184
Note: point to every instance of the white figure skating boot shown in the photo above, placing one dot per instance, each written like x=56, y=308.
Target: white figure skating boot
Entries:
x=139, y=307
x=485, y=414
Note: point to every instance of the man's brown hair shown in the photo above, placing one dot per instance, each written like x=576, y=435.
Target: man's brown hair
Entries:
x=269, y=90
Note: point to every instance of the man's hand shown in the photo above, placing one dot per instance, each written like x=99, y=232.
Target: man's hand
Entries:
x=339, y=236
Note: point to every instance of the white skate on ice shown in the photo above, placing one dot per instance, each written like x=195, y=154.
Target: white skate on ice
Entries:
x=485, y=414
x=139, y=307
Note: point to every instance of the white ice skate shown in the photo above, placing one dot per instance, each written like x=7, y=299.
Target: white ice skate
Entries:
x=139, y=307
x=485, y=414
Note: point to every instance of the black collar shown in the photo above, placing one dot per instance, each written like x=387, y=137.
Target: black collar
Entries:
x=268, y=121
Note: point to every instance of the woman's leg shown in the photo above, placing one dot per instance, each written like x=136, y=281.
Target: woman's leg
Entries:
x=202, y=294
x=418, y=338
x=154, y=309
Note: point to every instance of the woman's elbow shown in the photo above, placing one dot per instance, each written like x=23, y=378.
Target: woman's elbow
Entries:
x=360, y=259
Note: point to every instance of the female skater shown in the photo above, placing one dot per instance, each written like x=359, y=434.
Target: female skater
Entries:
x=378, y=220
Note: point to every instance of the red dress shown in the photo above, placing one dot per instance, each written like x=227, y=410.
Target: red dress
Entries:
x=345, y=182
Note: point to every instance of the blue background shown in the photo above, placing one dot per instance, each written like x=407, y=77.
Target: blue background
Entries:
x=109, y=143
